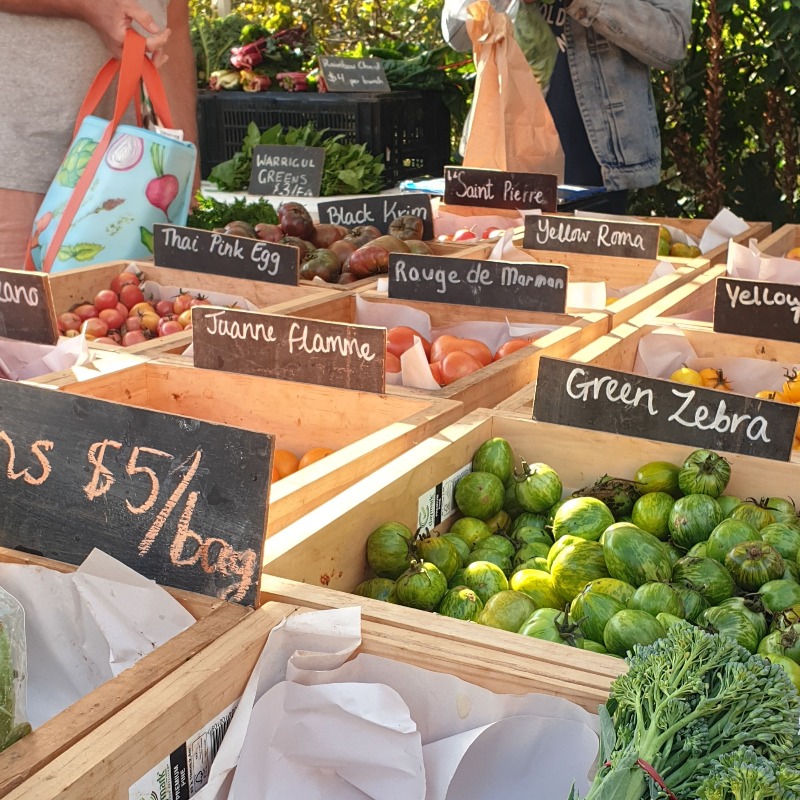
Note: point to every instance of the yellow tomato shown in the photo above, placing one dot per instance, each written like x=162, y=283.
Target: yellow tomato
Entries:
x=769, y=394
x=791, y=387
x=686, y=375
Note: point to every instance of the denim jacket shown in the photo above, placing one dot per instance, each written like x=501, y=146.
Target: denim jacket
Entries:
x=611, y=47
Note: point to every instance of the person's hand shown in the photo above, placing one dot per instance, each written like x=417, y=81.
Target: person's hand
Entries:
x=112, y=18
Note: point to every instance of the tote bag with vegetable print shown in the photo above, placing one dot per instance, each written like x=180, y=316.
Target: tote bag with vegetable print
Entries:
x=116, y=180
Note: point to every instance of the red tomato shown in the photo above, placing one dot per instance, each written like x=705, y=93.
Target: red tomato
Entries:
x=170, y=326
x=130, y=295
x=477, y=350
x=133, y=323
x=123, y=309
x=94, y=326
x=69, y=322
x=436, y=371
x=458, y=364
x=182, y=302
x=392, y=363
x=113, y=318
x=186, y=317
x=199, y=301
x=133, y=337
x=464, y=235
x=164, y=308
x=401, y=338
x=85, y=311
x=491, y=232
x=369, y=259
x=124, y=279
x=443, y=345
x=511, y=347
x=105, y=298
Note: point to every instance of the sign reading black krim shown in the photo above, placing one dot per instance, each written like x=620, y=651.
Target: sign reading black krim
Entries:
x=282, y=170
x=27, y=312
x=582, y=396
x=221, y=254
x=181, y=501
x=566, y=234
x=353, y=74
x=462, y=281
x=494, y=189
x=379, y=211
x=757, y=308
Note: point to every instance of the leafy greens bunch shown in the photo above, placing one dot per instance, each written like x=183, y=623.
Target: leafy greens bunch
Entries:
x=348, y=168
x=687, y=702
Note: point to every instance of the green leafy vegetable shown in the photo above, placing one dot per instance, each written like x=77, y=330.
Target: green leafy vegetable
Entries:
x=687, y=701
x=211, y=213
x=348, y=169
x=745, y=775
x=212, y=39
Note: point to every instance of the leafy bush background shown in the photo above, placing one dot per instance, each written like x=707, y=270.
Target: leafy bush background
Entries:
x=729, y=115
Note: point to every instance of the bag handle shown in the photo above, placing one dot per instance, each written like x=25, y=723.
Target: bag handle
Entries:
x=134, y=67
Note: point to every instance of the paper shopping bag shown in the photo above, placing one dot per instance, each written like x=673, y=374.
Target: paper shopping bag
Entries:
x=511, y=128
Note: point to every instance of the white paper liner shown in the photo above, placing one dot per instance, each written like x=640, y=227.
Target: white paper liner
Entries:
x=370, y=712
x=21, y=361
x=749, y=262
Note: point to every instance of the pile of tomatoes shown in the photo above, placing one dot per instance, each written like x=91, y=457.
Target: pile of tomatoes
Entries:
x=449, y=357
x=285, y=462
x=121, y=314
x=471, y=234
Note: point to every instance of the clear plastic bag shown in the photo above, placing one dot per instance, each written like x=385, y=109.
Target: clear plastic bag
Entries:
x=13, y=670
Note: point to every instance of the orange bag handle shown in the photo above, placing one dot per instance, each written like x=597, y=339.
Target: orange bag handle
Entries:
x=135, y=66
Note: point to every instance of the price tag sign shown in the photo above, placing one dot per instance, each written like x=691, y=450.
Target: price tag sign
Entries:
x=568, y=393
x=181, y=501
x=287, y=171
x=495, y=189
x=379, y=211
x=353, y=74
x=463, y=281
x=757, y=308
x=27, y=311
x=591, y=236
x=290, y=348
x=221, y=254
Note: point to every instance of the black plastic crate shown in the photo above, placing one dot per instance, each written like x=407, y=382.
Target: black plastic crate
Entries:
x=410, y=129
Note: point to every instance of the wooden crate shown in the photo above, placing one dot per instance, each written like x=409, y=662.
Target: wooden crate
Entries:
x=149, y=729
x=76, y=286
x=498, y=380
x=779, y=242
x=366, y=430
x=104, y=361
x=33, y=753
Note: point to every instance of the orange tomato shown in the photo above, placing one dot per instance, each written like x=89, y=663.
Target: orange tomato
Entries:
x=477, y=350
x=442, y=345
x=714, y=379
x=392, y=362
x=276, y=476
x=436, y=371
x=769, y=394
x=285, y=462
x=401, y=338
x=446, y=344
x=458, y=364
x=511, y=347
x=314, y=454
x=791, y=388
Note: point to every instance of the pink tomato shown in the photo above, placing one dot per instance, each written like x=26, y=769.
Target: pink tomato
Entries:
x=113, y=318
x=94, y=326
x=105, y=298
x=170, y=326
x=165, y=307
x=133, y=337
x=69, y=322
x=124, y=279
x=130, y=295
x=85, y=311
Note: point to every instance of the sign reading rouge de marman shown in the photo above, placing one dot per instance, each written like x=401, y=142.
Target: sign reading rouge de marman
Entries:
x=566, y=234
x=568, y=393
x=465, y=186
x=181, y=501
x=353, y=74
x=221, y=254
x=462, y=281
x=379, y=211
x=27, y=311
x=290, y=348
x=757, y=308
x=281, y=170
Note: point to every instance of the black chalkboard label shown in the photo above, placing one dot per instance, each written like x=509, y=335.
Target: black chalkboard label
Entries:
x=290, y=348
x=604, y=237
x=757, y=308
x=353, y=74
x=221, y=254
x=588, y=397
x=27, y=311
x=463, y=281
x=287, y=171
x=378, y=211
x=181, y=501
x=491, y=188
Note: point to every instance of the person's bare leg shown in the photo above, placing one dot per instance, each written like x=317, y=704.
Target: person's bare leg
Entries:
x=17, y=212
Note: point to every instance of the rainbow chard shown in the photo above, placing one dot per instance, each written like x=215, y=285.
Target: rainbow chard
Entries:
x=163, y=189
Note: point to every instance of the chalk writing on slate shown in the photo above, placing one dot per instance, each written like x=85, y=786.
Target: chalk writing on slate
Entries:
x=281, y=170
x=491, y=188
x=27, y=312
x=353, y=74
x=378, y=211
x=757, y=308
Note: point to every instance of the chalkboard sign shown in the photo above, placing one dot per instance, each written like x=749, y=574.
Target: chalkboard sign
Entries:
x=26, y=307
x=353, y=74
x=757, y=308
x=607, y=400
x=221, y=254
x=495, y=189
x=378, y=211
x=182, y=502
x=603, y=237
x=463, y=281
x=290, y=348
x=287, y=171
